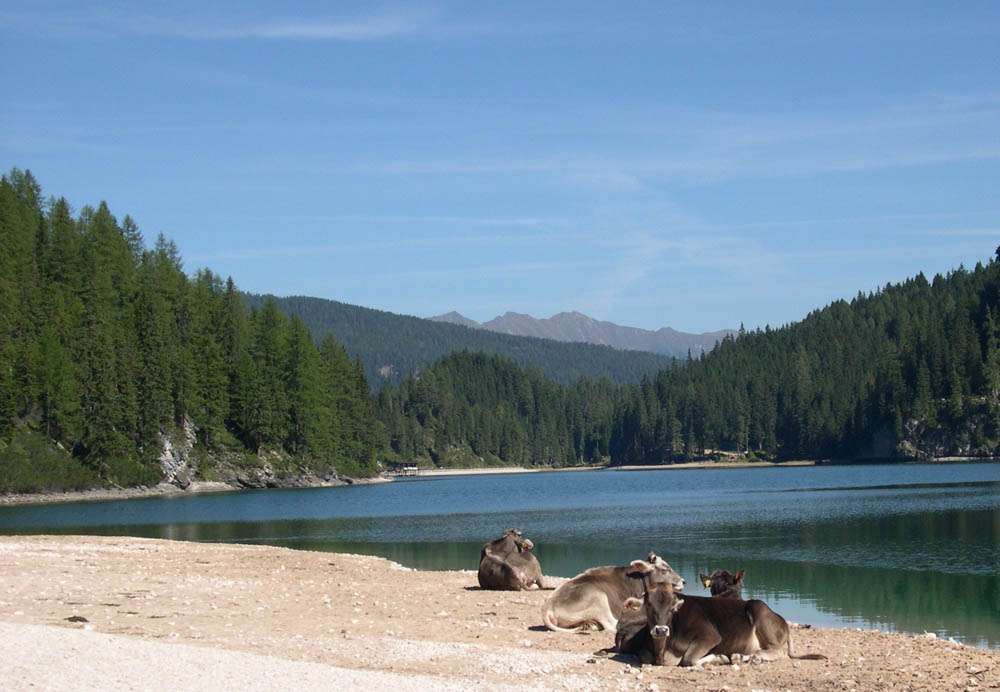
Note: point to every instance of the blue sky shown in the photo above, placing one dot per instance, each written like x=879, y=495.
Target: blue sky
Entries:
x=694, y=165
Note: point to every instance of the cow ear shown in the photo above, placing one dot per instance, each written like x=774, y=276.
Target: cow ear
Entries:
x=739, y=575
x=641, y=566
x=704, y=580
x=633, y=603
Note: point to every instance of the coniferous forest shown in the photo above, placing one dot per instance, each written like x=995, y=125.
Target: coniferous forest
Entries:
x=109, y=349
x=119, y=368
x=911, y=371
x=392, y=346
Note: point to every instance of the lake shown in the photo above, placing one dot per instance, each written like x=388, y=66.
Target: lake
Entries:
x=908, y=548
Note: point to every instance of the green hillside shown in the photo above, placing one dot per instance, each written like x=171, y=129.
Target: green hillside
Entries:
x=119, y=369
x=392, y=346
x=911, y=371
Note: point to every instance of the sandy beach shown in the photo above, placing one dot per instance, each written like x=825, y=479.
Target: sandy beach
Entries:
x=111, y=613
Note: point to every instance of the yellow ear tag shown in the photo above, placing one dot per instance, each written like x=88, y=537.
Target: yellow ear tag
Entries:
x=708, y=583
x=633, y=605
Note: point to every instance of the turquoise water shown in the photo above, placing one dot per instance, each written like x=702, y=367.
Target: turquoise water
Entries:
x=909, y=548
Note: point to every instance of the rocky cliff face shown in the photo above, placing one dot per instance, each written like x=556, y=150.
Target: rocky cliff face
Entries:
x=973, y=436
x=176, y=455
x=973, y=433
x=181, y=465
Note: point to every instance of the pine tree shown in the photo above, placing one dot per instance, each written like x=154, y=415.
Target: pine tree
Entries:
x=309, y=432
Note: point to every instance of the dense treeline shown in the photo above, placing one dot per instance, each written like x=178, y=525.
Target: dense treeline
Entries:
x=108, y=346
x=873, y=377
x=474, y=410
x=394, y=346
x=912, y=370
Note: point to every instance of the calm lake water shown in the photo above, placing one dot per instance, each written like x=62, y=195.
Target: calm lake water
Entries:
x=909, y=548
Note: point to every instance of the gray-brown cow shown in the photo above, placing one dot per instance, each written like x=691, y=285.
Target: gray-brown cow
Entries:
x=596, y=597
x=694, y=630
x=507, y=564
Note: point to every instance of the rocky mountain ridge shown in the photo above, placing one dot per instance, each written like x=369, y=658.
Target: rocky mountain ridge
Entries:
x=575, y=326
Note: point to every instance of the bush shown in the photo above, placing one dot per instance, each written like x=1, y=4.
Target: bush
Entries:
x=30, y=464
x=127, y=473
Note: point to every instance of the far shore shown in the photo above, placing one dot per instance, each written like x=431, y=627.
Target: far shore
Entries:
x=426, y=473
x=200, y=487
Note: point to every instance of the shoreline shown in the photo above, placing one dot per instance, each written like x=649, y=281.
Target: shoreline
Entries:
x=207, y=487
x=86, y=611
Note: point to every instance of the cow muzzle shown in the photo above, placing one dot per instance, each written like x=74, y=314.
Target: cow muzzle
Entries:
x=660, y=631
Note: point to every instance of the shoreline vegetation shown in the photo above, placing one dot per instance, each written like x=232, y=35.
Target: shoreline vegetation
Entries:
x=202, y=487
x=196, y=616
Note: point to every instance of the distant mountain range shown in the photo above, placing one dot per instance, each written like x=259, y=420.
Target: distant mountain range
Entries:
x=393, y=346
x=574, y=326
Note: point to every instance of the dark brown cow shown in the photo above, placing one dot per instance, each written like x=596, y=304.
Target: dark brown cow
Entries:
x=507, y=564
x=723, y=584
x=596, y=597
x=634, y=636
x=510, y=541
x=702, y=630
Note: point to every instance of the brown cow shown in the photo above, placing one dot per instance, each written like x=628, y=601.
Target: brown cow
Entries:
x=510, y=541
x=507, y=564
x=723, y=584
x=702, y=630
x=634, y=636
x=596, y=597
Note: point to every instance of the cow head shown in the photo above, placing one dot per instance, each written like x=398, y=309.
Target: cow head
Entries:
x=517, y=539
x=659, y=603
x=656, y=570
x=723, y=583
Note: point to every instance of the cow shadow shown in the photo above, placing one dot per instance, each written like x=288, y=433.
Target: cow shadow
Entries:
x=479, y=588
x=543, y=628
x=612, y=654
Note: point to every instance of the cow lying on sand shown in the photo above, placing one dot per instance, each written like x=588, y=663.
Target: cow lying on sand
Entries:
x=596, y=597
x=507, y=564
x=723, y=584
x=694, y=630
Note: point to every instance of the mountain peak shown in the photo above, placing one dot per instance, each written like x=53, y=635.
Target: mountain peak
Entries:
x=454, y=317
x=575, y=326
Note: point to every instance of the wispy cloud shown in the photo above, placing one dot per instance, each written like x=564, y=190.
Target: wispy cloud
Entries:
x=360, y=29
x=839, y=220
x=965, y=233
x=455, y=220
x=108, y=24
x=393, y=244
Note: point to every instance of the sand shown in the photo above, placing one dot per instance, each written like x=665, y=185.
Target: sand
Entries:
x=111, y=613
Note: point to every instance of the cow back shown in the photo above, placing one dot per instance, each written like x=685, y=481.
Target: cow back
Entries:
x=496, y=575
x=614, y=582
x=732, y=625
